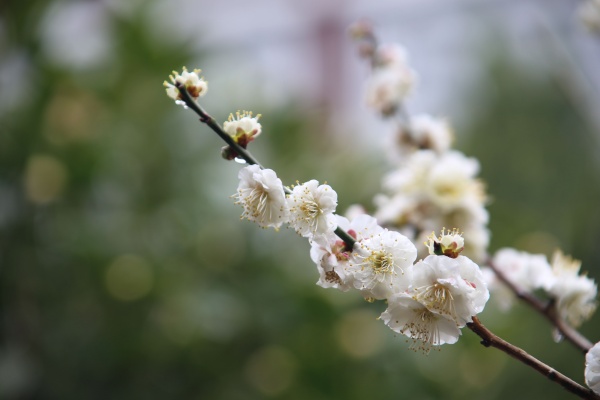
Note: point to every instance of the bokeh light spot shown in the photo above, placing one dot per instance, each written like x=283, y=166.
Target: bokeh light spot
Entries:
x=271, y=370
x=129, y=277
x=359, y=335
x=45, y=179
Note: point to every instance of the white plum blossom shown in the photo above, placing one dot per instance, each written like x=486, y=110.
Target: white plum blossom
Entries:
x=527, y=271
x=428, y=191
x=380, y=264
x=396, y=210
x=431, y=133
x=448, y=180
x=391, y=80
x=331, y=254
x=195, y=85
x=387, y=87
x=443, y=295
x=242, y=124
x=411, y=318
x=354, y=211
x=412, y=176
x=575, y=294
x=451, y=181
x=261, y=195
x=311, y=209
x=471, y=273
x=243, y=129
x=592, y=368
x=362, y=227
x=451, y=287
x=423, y=132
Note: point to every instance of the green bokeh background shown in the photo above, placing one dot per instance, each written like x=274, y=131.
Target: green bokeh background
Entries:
x=125, y=272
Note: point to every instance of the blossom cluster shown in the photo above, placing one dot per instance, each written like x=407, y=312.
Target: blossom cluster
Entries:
x=433, y=292
x=308, y=208
x=574, y=294
x=428, y=301
x=431, y=185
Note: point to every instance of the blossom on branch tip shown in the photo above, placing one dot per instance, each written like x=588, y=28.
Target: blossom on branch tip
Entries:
x=592, y=368
x=261, y=195
x=311, y=209
x=195, y=85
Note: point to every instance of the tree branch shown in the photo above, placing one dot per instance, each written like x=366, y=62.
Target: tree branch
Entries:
x=547, y=309
x=491, y=340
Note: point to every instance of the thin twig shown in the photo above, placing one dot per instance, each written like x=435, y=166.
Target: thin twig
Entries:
x=243, y=153
x=212, y=123
x=547, y=309
x=491, y=340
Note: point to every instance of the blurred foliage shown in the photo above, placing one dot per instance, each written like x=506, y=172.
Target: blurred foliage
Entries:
x=125, y=272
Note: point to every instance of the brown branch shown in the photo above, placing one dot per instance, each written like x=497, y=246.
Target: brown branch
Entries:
x=547, y=309
x=489, y=339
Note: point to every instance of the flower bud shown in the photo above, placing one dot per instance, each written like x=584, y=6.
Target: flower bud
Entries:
x=448, y=244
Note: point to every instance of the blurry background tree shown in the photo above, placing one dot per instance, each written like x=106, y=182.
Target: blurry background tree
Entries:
x=124, y=269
